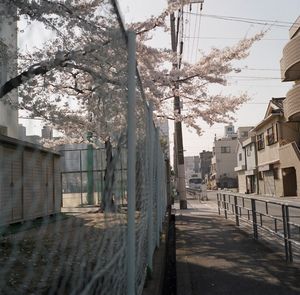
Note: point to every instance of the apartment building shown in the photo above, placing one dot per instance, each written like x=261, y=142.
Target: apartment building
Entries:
x=289, y=148
x=8, y=69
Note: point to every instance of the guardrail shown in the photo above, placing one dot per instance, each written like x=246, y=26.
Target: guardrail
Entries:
x=201, y=195
x=278, y=218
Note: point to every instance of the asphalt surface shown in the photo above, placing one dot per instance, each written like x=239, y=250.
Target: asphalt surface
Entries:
x=214, y=257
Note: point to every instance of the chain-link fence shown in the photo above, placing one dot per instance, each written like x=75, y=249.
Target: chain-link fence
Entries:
x=114, y=196
x=82, y=173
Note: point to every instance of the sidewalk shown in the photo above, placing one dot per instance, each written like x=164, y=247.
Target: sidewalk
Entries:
x=214, y=257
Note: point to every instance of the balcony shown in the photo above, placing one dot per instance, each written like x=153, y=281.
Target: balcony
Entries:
x=289, y=155
x=291, y=105
x=290, y=62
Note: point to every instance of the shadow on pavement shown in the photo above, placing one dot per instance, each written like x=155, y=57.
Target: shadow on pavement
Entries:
x=214, y=257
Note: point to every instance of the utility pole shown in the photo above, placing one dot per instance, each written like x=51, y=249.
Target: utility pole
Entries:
x=178, y=140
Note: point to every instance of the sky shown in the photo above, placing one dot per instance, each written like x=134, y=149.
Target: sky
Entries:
x=260, y=77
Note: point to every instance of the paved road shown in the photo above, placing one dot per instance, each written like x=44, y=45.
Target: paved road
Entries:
x=216, y=258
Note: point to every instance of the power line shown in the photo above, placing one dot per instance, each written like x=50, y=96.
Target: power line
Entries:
x=232, y=38
x=254, y=77
x=199, y=27
x=28, y=118
x=257, y=85
x=259, y=69
x=275, y=23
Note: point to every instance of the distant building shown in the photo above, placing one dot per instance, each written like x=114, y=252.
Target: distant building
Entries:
x=8, y=69
x=251, y=175
x=241, y=167
x=229, y=131
x=191, y=166
x=205, y=163
x=224, y=160
x=47, y=132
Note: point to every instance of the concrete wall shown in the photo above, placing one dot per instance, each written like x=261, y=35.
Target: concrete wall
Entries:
x=242, y=182
x=250, y=151
x=226, y=162
x=30, y=182
x=8, y=69
x=240, y=152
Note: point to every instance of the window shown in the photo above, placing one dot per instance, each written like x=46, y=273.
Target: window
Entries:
x=260, y=175
x=276, y=173
x=249, y=149
x=225, y=149
x=240, y=156
x=260, y=141
x=270, y=136
x=244, y=134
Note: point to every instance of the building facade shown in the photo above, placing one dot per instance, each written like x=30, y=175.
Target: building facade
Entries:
x=242, y=134
x=224, y=160
x=289, y=153
x=191, y=166
x=251, y=175
x=205, y=163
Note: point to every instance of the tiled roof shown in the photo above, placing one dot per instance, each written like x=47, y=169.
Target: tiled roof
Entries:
x=278, y=101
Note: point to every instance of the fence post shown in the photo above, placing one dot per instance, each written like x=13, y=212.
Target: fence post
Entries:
x=131, y=173
x=236, y=211
x=289, y=233
x=158, y=187
x=286, y=233
x=224, y=205
x=80, y=167
x=254, y=219
x=151, y=183
x=219, y=203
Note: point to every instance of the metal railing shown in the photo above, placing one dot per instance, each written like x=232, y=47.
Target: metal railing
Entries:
x=277, y=220
x=199, y=194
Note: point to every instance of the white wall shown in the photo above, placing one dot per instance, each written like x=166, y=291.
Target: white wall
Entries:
x=250, y=156
x=226, y=162
x=240, y=151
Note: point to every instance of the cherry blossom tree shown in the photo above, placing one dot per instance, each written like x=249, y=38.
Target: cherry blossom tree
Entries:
x=81, y=72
